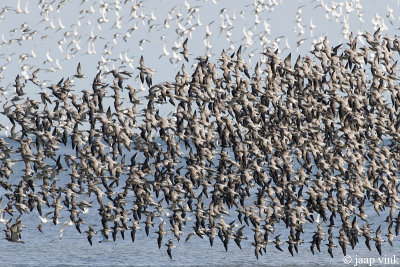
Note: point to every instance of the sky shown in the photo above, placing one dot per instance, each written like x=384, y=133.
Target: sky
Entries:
x=54, y=36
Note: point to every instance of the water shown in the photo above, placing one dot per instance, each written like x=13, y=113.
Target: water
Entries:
x=74, y=250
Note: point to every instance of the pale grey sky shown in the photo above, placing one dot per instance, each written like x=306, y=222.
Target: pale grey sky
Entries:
x=56, y=35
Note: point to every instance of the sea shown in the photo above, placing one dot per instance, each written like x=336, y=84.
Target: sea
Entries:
x=46, y=249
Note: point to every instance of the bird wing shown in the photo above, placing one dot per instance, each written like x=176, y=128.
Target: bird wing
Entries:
x=65, y=225
x=14, y=236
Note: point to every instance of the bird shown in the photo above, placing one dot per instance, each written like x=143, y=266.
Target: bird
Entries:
x=90, y=234
x=165, y=52
x=185, y=51
x=378, y=240
x=62, y=229
x=160, y=233
x=278, y=242
x=170, y=246
x=45, y=219
x=79, y=73
x=309, y=146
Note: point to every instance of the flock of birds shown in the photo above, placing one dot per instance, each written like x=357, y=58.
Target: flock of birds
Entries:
x=107, y=33
x=225, y=149
x=314, y=142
